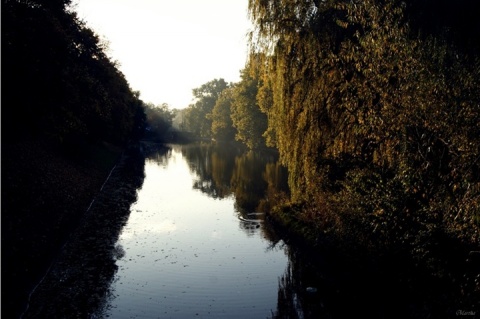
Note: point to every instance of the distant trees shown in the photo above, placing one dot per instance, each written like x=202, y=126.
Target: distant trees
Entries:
x=198, y=117
x=222, y=124
x=247, y=117
x=58, y=81
x=158, y=119
x=229, y=112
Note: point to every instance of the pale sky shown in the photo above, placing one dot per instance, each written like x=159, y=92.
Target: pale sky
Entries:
x=166, y=48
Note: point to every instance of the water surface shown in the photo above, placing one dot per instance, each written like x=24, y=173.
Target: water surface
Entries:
x=195, y=244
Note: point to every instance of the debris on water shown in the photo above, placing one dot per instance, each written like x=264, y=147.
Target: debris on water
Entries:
x=311, y=290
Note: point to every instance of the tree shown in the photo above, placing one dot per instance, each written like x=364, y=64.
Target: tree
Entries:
x=357, y=103
x=222, y=125
x=61, y=99
x=73, y=91
x=198, y=117
x=249, y=121
x=159, y=119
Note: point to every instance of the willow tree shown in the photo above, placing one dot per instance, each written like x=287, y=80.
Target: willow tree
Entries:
x=332, y=68
x=299, y=44
x=358, y=105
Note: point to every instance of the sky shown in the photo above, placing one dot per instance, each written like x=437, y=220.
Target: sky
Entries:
x=166, y=48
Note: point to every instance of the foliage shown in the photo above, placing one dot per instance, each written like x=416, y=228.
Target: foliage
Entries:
x=222, y=125
x=67, y=114
x=199, y=115
x=228, y=112
x=60, y=82
x=159, y=119
x=373, y=122
x=249, y=121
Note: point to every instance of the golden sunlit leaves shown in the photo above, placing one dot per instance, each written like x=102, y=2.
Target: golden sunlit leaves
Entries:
x=348, y=83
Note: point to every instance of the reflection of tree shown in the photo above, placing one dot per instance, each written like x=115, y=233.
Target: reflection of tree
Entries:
x=247, y=182
x=255, y=179
x=294, y=300
x=213, y=166
x=277, y=180
x=158, y=153
x=317, y=284
x=346, y=287
x=222, y=167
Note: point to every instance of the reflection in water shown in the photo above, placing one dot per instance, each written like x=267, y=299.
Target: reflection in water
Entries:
x=186, y=253
x=159, y=155
x=320, y=284
x=307, y=287
x=253, y=178
x=212, y=167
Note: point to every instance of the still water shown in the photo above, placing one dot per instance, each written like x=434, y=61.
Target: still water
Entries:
x=183, y=234
x=196, y=244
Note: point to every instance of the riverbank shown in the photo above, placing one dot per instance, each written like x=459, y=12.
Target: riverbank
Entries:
x=439, y=284
x=46, y=190
x=77, y=284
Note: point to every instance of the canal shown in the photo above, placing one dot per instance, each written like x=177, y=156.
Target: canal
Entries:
x=181, y=231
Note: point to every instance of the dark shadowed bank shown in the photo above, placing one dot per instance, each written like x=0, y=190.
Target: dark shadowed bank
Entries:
x=352, y=280
x=46, y=194
x=77, y=283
